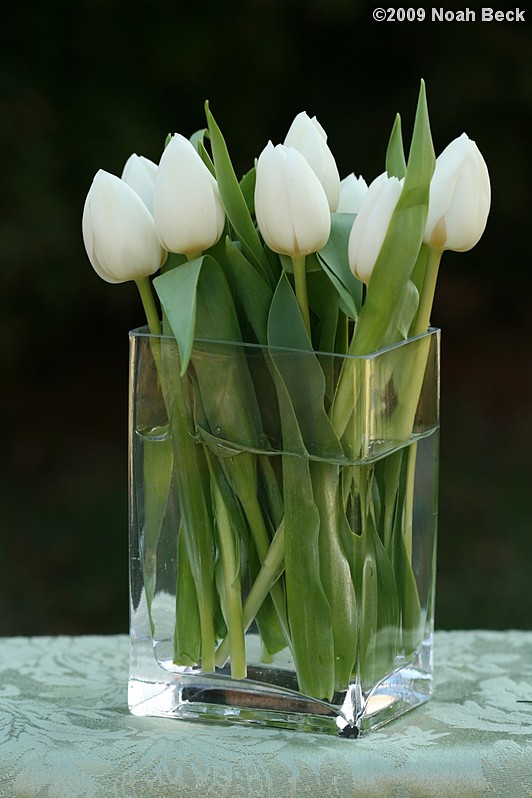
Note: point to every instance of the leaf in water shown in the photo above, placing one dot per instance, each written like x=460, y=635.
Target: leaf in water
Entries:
x=335, y=570
x=379, y=611
x=187, y=631
x=157, y=476
x=309, y=614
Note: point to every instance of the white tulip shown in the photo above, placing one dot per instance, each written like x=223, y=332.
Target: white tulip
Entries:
x=308, y=137
x=460, y=197
x=188, y=212
x=118, y=231
x=139, y=173
x=352, y=192
x=290, y=203
x=371, y=225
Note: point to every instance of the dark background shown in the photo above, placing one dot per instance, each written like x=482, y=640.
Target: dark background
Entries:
x=81, y=87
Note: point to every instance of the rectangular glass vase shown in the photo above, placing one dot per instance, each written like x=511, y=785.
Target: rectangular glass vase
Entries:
x=283, y=514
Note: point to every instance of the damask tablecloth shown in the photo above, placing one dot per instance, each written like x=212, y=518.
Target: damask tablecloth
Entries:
x=65, y=732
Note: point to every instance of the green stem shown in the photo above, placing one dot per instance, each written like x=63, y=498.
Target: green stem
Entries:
x=409, y=497
x=195, y=520
x=426, y=299
x=342, y=334
x=300, y=277
x=232, y=588
x=268, y=575
x=146, y=295
x=262, y=544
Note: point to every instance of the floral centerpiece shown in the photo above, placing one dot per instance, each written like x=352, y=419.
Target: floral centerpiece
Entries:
x=283, y=396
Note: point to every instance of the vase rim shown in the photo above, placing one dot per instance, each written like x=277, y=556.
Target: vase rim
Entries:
x=143, y=332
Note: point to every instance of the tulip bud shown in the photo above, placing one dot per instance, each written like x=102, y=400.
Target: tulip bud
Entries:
x=460, y=197
x=118, y=231
x=188, y=212
x=139, y=173
x=308, y=137
x=290, y=203
x=371, y=225
x=352, y=192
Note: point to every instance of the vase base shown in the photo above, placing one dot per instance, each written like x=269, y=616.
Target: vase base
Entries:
x=206, y=697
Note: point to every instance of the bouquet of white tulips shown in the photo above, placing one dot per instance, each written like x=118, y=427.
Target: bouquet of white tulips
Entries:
x=284, y=524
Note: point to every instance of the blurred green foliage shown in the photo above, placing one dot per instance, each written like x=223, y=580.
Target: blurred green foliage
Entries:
x=84, y=85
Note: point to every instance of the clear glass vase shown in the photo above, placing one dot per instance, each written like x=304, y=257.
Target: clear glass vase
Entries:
x=283, y=509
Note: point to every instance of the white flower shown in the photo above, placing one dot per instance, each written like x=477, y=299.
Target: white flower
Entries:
x=460, y=197
x=290, y=203
x=308, y=137
x=352, y=192
x=118, y=231
x=371, y=225
x=139, y=173
x=188, y=212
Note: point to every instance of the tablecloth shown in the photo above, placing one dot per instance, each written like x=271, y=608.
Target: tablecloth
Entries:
x=65, y=732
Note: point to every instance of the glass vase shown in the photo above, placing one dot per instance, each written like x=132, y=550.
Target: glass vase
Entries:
x=283, y=510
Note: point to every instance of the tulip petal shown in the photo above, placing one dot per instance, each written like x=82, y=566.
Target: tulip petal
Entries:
x=309, y=138
x=290, y=203
x=118, y=231
x=140, y=173
x=188, y=212
x=460, y=197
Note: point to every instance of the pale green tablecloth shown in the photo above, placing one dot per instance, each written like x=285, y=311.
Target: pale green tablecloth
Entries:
x=65, y=732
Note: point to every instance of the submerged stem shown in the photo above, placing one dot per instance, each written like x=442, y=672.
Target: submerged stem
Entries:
x=232, y=604
x=268, y=575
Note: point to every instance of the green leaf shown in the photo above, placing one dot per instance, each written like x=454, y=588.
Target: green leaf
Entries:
x=302, y=375
x=379, y=607
x=196, y=524
x=409, y=603
x=309, y=614
x=225, y=383
x=247, y=186
x=395, y=156
x=206, y=158
x=198, y=303
x=322, y=301
x=187, y=632
x=403, y=315
x=173, y=260
x=233, y=199
x=402, y=244
x=335, y=261
x=157, y=475
x=335, y=568
x=177, y=291
x=251, y=289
